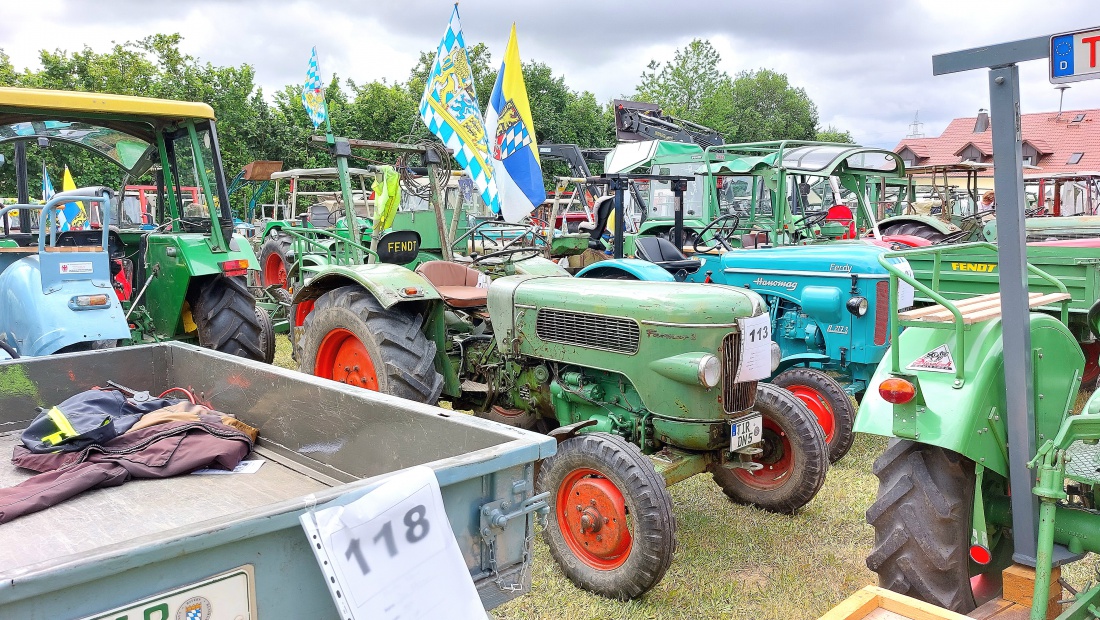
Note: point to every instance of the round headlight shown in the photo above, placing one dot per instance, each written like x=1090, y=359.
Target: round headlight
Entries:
x=858, y=306
x=710, y=371
x=777, y=355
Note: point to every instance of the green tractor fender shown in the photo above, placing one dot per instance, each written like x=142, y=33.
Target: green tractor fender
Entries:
x=967, y=416
x=178, y=260
x=389, y=284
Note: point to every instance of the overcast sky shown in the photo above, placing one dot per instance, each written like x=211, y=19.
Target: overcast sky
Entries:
x=865, y=63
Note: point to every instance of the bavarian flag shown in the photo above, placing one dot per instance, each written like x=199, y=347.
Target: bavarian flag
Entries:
x=313, y=93
x=450, y=110
x=514, y=151
x=74, y=215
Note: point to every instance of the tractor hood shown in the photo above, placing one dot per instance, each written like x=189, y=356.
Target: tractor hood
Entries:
x=644, y=303
x=841, y=260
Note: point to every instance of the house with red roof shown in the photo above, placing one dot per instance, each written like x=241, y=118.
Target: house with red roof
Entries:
x=1053, y=143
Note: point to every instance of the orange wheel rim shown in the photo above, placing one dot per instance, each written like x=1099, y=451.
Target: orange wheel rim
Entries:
x=274, y=271
x=592, y=518
x=342, y=357
x=777, y=460
x=817, y=404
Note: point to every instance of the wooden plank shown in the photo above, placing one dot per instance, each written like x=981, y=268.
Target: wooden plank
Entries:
x=976, y=309
x=1034, y=300
x=990, y=609
x=944, y=314
x=875, y=603
x=920, y=312
x=1019, y=587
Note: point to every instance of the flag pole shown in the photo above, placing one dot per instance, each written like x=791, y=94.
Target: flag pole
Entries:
x=341, y=150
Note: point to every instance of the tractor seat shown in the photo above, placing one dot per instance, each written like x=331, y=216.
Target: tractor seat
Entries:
x=318, y=215
x=458, y=285
x=754, y=240
x=664, y=253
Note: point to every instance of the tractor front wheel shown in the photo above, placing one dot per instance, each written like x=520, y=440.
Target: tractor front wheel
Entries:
x=349, y=337
x=922, y=520
x=791, y=468
x=829, y=403
x=611, y=527
x=225, y=313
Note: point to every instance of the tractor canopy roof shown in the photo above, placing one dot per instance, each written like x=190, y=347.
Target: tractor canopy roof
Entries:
x=318, y=174
x=818, y=159
x=118, y=127
x=629, y=156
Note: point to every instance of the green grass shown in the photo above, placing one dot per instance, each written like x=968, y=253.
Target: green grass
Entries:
x=739, y=562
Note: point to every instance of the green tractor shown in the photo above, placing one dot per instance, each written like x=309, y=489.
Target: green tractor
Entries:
x=643, y=384
x=181, y=275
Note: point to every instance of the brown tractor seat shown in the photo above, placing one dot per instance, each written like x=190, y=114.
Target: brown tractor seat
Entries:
x=457, y=284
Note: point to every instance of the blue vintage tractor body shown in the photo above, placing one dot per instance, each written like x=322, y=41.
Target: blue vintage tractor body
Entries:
x=55, y=296
x=814, y=294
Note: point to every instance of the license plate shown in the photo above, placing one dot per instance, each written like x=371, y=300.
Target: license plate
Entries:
x=231, y=593
x=746, y=431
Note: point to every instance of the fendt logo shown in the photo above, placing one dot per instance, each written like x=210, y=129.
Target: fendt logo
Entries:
x=979, y=267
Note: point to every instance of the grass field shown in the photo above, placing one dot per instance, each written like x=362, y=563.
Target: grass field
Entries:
x=737, y=562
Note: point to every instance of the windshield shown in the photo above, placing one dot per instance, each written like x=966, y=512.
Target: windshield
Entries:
x=662, y=201
x=121, y=148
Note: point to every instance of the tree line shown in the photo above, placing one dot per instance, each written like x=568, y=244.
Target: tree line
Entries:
x=750, y=106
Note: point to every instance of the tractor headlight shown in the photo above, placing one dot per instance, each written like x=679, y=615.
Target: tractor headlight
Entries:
x=710, y=371
x=857, y=306
x=777, y=355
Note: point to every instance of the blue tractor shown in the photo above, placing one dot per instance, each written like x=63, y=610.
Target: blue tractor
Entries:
x=56, y=288
x=829, y=296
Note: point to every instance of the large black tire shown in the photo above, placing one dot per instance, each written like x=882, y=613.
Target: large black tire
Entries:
x=586, y=471
x=829, y=403
x=922, y=521
x=916, y=229
x=275, y=253
x=403, y=359
x=267, y=334
x=794, y=459
x=225, y=312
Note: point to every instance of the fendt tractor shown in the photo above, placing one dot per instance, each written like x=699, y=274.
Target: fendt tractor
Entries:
x=643, y=384
x=178, y=279
x=779, y=228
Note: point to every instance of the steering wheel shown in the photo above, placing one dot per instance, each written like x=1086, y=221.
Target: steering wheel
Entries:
x=334, y=216
x=506, y=256
x=720, y=230
x=978, y=215
x=810, y=219
x=954, y=237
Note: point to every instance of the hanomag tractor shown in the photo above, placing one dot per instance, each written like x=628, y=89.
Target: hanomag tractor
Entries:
x=772, y=233
x=183, y=278
x=644, y=384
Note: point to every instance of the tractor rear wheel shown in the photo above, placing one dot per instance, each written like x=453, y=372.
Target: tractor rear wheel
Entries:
x=274, y=259
x=611, y=527
x=922, y=520
x=225, y=313
x=349, y=337
x=829, y=403
x=794, y=458
x=267, y=334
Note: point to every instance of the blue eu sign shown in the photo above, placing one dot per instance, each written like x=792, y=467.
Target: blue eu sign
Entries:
x=1073, y=56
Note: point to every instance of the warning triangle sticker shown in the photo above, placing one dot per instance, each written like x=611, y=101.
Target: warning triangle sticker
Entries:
x=936, y=360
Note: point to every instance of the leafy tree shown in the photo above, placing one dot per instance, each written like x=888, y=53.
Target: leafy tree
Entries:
x=7, y=71
x=834, y=134
x=764, y=106
x=683, y=85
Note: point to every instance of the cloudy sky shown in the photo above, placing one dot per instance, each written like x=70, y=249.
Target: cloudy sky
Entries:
x=866, y=63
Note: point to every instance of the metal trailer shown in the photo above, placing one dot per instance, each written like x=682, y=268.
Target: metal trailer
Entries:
x=324, y=443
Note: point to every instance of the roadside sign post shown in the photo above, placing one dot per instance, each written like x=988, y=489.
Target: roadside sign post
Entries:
x=1004, y=110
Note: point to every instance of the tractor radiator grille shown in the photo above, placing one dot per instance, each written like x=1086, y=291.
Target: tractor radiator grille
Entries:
x=736, y=397
x=610, y=333
x=882, y=312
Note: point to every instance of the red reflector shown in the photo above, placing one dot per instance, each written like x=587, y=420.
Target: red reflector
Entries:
x=236, y=267
x=896, y=391
x=980, y=554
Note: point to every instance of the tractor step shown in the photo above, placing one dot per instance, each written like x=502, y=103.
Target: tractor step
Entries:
x=1083, y=462
x=975, y=309
x=474, y=386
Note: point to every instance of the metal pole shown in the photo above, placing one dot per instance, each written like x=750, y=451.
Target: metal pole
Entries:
x=21, y=193
x=617, y=187
x=1004, y=107
x=437, y=206
x=678, y=188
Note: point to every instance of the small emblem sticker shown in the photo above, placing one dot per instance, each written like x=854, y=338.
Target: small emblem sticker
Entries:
x=80, y=267
x=936, y=360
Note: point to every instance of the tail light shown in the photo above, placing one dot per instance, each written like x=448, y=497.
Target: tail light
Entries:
x=980, y=554
x=89, y=302
x=237, y=267
x=897, y=391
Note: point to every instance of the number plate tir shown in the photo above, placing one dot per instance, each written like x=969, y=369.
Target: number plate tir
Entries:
x=745, y=432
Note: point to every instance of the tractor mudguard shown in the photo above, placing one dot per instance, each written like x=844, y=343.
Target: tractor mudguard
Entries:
x=37, y=322
x=969, y=417
x=635, y=268
x=389, y=284
x=927, y=220
x=800, y=359
x=539, y=266
x=179, y=258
